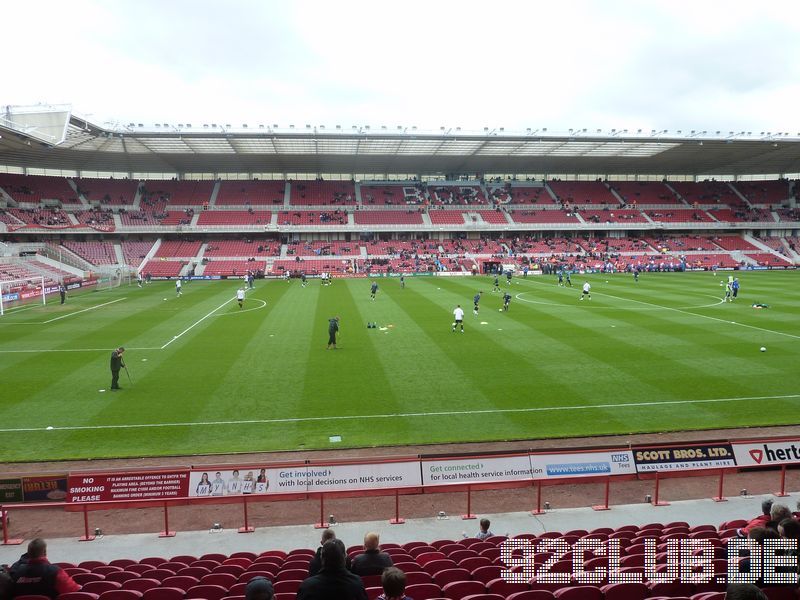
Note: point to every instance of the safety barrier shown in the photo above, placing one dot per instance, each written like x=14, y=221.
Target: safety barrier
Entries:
x=311, y=480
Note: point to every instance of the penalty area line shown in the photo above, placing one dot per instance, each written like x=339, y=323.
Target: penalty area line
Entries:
x=82, y=311
x=196, y=323
x=491, y=411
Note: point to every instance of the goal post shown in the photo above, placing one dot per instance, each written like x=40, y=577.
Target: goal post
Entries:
x=16, y=292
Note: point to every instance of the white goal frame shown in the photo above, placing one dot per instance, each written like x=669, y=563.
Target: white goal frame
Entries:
x=7, y=285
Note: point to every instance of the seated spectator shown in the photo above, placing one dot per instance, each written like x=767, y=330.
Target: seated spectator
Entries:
x=393, y=581
x=259, y=588
x=333, y=582
x=316, y=563
x=744, y=591
x=484, y=532
x=759, y=521
x=778, y=513
x=372, y=561
x=33, y=575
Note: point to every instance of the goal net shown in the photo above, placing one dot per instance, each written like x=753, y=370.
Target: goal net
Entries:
x=28, y=290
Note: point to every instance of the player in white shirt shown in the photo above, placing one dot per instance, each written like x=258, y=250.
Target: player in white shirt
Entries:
x=240, y=296
x=178, y=287
x=587, y=291
x=458, y=316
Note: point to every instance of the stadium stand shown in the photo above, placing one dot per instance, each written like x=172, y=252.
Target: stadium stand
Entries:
x=386, y=217
x=234, y=267
x=177, y=192
x=731, y=242
x=447, y=217
x=682, y=244
x=617, y=215
x=582, y=192
x=163, y=268
x=42, y=217
x=679, y=216
x=244, y=248
x=178, y=249
x=705, y=192
x=233, y=217
x=101, y=220
x=764, y=192
x=138, y=218
x=789, y=214
x=97, y=253
x=764, y=259
x=108, y=191
x=493, y=217
x=134, y=252
x=398, y=194
x=455, y=194
x=10, y=220
x=35, y=188
x=543, y=216
x=309, y=217
x=644, y=192
x=319, y=193
x=311, y=266
x=253, y=193
x=319, y=248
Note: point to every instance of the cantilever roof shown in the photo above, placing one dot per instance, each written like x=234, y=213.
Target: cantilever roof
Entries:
x=218, y=149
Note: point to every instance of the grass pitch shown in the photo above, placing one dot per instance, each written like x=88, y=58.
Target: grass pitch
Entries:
x=663, y=354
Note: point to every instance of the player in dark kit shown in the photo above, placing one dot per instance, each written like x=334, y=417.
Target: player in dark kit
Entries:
x=496, y=287
x=509, y=274
x=475, y=301
x=62, y=291
x=333, y=328
x=303, y=279
x=569, y=281
x=373, y=290
x=402, y=281
x=560, y=277
x=116, y=364
x=506, y=301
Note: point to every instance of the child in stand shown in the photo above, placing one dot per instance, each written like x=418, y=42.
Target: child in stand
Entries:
x=393, y=581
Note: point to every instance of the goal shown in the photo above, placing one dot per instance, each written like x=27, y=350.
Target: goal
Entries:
x=16, y=292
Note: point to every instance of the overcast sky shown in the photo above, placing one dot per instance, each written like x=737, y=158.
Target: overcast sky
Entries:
x=603, y=64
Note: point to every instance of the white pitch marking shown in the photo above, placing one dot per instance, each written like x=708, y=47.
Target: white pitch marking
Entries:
x=408, y=415
x=791, y=335
x=239, y=312
x=81, y=311
x=70, y=350
x=196, y=323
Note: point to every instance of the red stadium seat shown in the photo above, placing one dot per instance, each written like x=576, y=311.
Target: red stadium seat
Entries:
x=423, y=591
x=460, y=589
x=625, y=591
x=142, y=584
x=182, y=582
x=287, y=586
x=121, y=595
x=579, y=592
x=207, y=592
x=531, y=595
x=163, y=593
x=84, y=578
x=445, y=576
x=122, y=576
x=98, y=587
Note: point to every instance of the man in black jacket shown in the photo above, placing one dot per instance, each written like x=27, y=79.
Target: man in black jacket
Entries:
x=33, y=574
x=116, y=364
x=333, y=582
x=372, y=561
x=315, y=565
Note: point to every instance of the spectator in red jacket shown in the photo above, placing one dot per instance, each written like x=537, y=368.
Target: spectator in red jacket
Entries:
x=33, y=574
x=759, y=521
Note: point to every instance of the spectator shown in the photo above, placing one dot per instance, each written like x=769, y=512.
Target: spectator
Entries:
x=33, y=574
x=372, y=561
x=778, y=513
x=316, y=563
x=393, y=581
x=484, y=532
x=759, y=521
x=259, y=588
x=744, y=591
x=333, y=582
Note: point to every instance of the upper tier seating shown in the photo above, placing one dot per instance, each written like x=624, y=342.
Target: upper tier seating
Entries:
x=234, y=217
x=583, y=192
x=253, y=193
x=244, y=248
x=391, y=194
x=386, y=217
x=97, y=253
x=138, y=218
x=179, y=192
x=520, y=194
x=311, y=266
x=317, y=193
x=101, y=220
x=543, y=216
x=613, y=215
x=108, y=191
x=455, y=194
x=644, y=192
x=764, y=192
x=9, y=219
x=134, y=252
x=381, y=248
x=705, y=192
x=310, y=217
x=178, y=249
x=446, y=217
x=686, y=215
x=789, y=214
x=35, y=188
x=546, y=246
